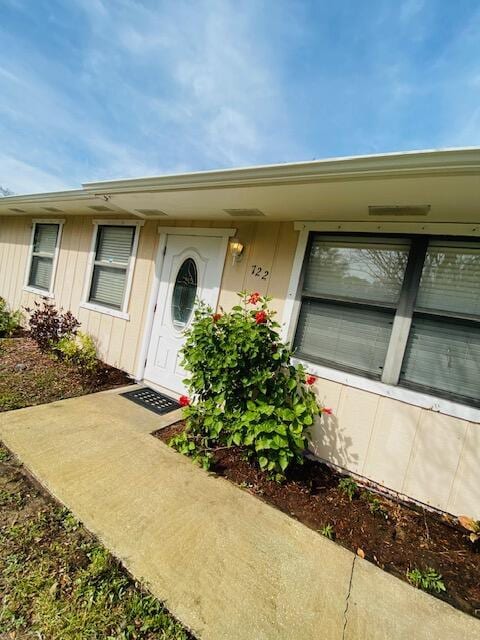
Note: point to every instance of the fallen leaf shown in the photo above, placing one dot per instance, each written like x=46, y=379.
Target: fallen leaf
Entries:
x=360, y=552
x=468, y=523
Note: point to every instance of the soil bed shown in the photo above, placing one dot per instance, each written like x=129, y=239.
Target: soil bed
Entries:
x=57, y=581
x=396, y=537
x=29, y=377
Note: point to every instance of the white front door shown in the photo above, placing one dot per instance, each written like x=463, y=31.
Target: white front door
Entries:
x=192, y=269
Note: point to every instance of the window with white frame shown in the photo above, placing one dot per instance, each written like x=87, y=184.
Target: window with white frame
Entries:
x=403, y=310
x=41, y=269
x=112, y=265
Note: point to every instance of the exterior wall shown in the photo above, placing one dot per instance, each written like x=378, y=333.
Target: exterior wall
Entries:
x=416, y=452
x=117, y=339
x=428, y=456
x=269, y=245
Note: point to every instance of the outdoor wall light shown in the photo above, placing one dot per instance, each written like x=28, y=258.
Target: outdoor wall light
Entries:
x=236, y=250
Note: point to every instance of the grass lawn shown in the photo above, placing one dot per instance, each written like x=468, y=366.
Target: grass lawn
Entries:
x=29, y=377
x=57, y=581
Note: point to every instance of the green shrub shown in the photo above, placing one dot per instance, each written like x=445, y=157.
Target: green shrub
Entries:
x=79, y=350
x=245, y=390
x=426, y=579
x=48, y=324
x=9, y=320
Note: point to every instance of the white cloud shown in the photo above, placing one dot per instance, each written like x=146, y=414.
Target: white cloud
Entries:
x=21, y=177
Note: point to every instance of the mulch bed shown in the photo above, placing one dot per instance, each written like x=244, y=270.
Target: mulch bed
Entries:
x=29, y=377
x=404, y=537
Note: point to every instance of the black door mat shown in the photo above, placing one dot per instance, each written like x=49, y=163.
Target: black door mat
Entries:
x=153, y=400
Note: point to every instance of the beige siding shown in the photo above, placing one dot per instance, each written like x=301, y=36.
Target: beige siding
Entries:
x=270, y=246
x=117, y=339
x=417, y=452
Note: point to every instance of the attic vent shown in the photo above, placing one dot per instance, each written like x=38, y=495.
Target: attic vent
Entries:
x=399, y=210
x=99, y=207
x=17, y=210
x=151, y=212
x=51, y=209
x=244, y=213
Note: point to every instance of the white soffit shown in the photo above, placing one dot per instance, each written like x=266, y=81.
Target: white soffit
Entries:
x=337, y=189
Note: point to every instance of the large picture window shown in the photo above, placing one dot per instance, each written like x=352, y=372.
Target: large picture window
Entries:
x=111, y=267
x=43, y=257
x=403, y=311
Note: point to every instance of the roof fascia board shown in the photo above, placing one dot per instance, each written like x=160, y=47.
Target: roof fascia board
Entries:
x=49, y=196
x=465, y=161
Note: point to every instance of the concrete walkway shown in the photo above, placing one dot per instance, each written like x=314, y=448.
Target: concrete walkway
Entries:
x=226, y=564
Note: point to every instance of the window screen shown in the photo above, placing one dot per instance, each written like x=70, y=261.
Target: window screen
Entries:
x=350, y=291
x=43, y=253
x=112, y=257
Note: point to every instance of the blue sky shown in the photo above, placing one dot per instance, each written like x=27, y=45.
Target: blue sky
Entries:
x=99, y=89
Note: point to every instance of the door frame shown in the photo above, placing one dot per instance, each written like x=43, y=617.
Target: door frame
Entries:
x=164, y=232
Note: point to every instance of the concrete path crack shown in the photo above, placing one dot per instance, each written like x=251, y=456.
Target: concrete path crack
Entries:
x=345, y=619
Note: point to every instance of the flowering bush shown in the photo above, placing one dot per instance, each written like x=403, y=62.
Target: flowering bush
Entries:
x=245, y=391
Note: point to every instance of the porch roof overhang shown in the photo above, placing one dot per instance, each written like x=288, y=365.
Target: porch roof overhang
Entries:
x=446, y=183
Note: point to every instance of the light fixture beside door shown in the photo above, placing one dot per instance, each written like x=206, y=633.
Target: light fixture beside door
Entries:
x=236, y=250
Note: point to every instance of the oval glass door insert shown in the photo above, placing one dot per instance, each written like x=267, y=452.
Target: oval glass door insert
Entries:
x=184, y=292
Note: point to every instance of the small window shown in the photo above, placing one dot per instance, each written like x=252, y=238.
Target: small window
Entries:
x=184, y=292
x=113, y=252
x=43, y=255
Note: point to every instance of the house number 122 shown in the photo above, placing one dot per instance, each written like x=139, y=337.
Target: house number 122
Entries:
x=259, y=272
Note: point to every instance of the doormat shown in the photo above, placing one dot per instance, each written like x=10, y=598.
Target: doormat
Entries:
x=153, y=400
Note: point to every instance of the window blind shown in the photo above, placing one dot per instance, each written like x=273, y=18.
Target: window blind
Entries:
x=108, y=286
x=112, y=256
x=40, y=273
x=451, y=279
x=352, y=292
x=356, y=268
x=114, y=244
x=350, y=337
x=351, y=286
x=443, y=355
x=43, y=253
x=45, y=238
x=443, y=349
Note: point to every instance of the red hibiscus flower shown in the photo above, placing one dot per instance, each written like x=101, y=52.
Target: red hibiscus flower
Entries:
x=327, y=411
x=254, y=298
x=310, y=379
x=260, y=317
x=184, y=401
x=216, y=317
